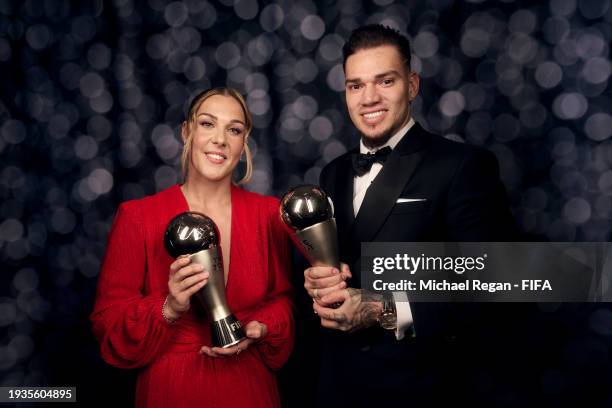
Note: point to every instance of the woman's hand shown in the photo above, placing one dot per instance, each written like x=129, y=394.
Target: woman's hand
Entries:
x=185, y=280
x=255, y=332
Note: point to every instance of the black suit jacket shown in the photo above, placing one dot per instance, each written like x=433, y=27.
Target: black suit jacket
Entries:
x=464, y=201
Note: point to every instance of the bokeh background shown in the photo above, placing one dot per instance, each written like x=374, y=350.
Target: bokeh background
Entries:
x=92, y=94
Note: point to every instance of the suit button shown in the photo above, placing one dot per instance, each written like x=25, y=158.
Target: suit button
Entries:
x=365, y=349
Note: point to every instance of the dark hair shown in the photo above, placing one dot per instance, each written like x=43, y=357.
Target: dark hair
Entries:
x=375, y=35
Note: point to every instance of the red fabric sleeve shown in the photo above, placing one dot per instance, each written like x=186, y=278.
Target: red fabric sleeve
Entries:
x=129, y=325
x=277, y=312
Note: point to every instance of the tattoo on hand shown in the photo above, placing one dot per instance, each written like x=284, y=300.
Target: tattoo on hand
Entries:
x=366, y=306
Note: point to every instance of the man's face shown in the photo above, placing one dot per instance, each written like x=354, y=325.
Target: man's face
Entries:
x=379, y=90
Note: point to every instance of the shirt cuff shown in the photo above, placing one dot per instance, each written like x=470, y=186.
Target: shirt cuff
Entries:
x=403, y=314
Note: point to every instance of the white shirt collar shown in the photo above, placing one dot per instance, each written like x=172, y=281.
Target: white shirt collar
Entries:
x=392, y=142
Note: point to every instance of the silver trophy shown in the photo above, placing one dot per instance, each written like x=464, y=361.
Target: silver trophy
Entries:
x=309, y=212
x=195, y=235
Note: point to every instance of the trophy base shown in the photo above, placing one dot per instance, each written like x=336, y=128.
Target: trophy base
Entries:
x=227, y=332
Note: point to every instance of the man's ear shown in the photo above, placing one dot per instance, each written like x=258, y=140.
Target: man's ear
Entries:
x=413, y=85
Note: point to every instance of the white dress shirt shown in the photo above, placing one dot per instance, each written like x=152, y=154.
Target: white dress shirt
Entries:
x=360, y=187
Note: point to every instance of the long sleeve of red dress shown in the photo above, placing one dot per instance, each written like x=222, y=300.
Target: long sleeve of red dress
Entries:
x=277, y=312
x=129, y=324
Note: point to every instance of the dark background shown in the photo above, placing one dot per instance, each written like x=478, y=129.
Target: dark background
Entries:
x=92, y=94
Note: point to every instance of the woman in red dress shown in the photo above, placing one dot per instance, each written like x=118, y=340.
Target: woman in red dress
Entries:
x=144, y=317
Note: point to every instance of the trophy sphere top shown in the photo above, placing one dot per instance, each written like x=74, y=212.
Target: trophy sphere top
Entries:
x=190, y=232
x=304, y=206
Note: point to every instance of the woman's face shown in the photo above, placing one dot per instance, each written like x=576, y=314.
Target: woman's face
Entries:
x=218, y=138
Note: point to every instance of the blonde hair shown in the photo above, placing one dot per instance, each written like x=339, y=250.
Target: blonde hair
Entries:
x=190, y=124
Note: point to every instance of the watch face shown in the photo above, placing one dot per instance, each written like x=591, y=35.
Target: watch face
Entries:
x=388, y=320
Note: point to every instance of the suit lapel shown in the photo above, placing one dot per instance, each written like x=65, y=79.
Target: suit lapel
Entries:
x=389, y=183
x=343, y=193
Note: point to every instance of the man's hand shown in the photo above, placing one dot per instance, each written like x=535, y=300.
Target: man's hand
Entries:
x=255, y=332
x=356, y=312
x=320, y=281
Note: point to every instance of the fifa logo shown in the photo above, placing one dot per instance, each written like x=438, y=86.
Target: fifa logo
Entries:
x=308, y=245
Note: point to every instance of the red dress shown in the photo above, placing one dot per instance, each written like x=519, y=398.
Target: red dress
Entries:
x=133, y=285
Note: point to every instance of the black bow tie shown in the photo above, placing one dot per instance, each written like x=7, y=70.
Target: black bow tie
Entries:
x=362, y=163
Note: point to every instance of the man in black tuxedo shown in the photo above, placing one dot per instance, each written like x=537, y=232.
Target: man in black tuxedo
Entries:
x=402, y=184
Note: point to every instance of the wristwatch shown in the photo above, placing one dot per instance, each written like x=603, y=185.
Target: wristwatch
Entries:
x=388, y=315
